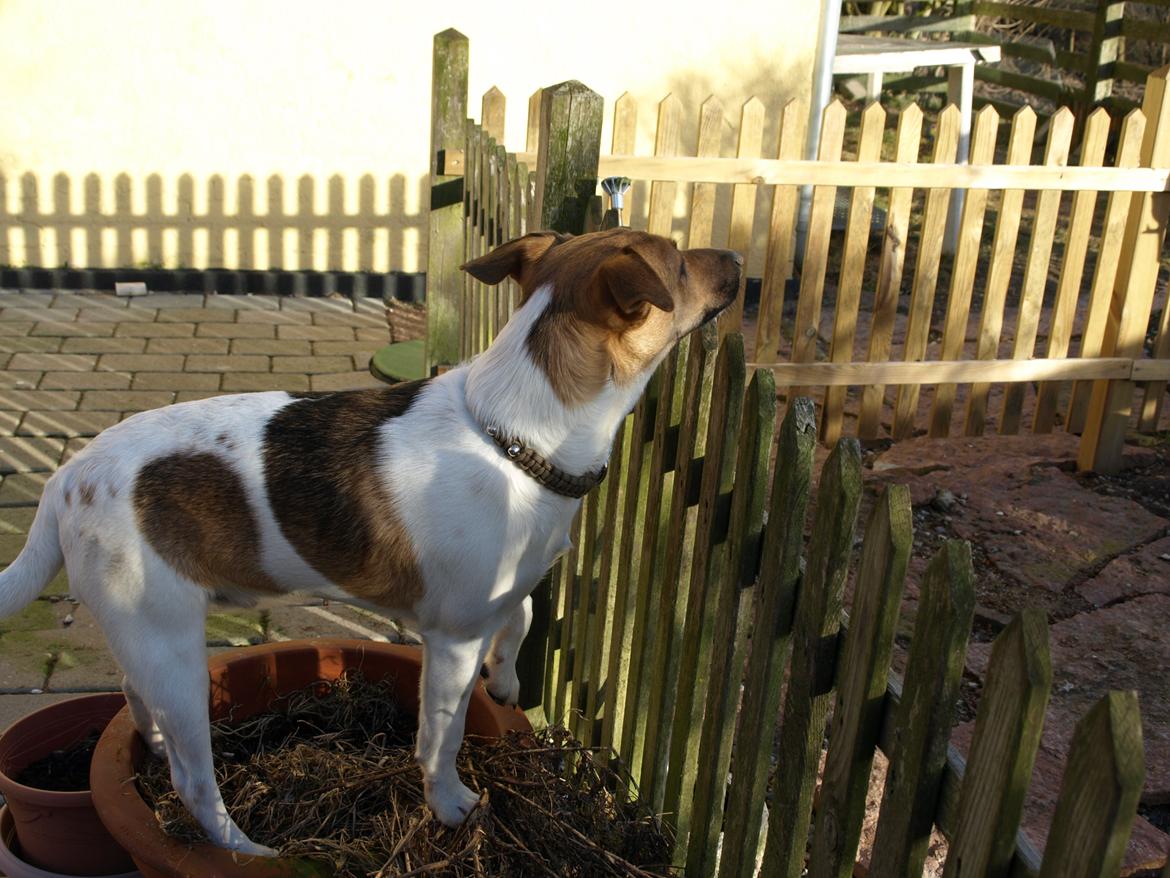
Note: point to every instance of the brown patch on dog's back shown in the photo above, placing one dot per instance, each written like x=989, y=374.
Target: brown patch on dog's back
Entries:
x=320, y=469
x=194, y=512
x=86, y=493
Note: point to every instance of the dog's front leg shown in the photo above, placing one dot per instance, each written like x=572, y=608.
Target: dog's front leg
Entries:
x=450, y=670
x=502, y=683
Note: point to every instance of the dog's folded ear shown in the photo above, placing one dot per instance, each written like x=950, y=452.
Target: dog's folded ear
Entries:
x=633, y=283
x=510, y=259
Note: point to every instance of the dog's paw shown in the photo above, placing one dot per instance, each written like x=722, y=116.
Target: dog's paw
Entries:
x=248, y=848
x=504, y=686
x=451, y=802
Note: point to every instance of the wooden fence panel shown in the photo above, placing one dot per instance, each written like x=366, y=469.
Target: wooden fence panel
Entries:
x=702, y=221
x=963, y=273
x=666, y=143
x=778, y=261
x=893, y=261
x=1099, y=794
x=743, y=205
x=864, y=670
x=873, y=122
x=625, y=135
x=728, y=636
x=1003, y=254
x=774, y=605
x=583, y=615
x=926, y=270
x=1003, y=750
x=1072, y=268
x=814, y=658
x=922, y=722
x=1036, y=270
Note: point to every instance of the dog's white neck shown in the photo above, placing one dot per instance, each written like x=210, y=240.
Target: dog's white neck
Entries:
x=505, y=388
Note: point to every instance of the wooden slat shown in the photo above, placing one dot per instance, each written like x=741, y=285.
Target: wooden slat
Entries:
x=1056, y=92
x=926, y=270
x=660, y=673
x=583, y=614
x=1072, y=270
x=775, y=601
x=1154, y=393
x=816, y=250
x=1108, y=258
x=963, y=272
x=781, y=237
x=873, y=121
x=728, y=641
x=1146, y=29
x=625, y=135
x=1003, y=750
x=569, y=584
x=690, y=679
x=532, y=138
x=666, y=143
x=491, y=116
x=864, y=669
x=1062, y=18
x=890, y=272
x=922, y=723
x=654, y=522
x=962, y=371
x=703, y=194
x=820, y=172
x=814, y=658
x=1003, y=253
x=743, y=206
x=1099, y=792
x=1109, y=407
x=1060, y=130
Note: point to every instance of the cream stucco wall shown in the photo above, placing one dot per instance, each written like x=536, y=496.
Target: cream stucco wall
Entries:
x=292, y=94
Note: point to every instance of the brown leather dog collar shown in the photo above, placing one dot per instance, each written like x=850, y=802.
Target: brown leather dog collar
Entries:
x=552, y=477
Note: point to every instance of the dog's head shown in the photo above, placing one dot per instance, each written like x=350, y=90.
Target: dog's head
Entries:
x=617, y=300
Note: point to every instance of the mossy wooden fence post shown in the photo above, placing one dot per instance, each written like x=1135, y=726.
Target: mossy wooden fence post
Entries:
x=445, y=222
x=566, y=182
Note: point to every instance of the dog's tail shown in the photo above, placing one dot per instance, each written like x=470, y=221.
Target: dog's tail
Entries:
x=38, y=562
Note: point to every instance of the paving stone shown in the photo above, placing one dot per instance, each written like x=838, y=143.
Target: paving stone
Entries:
x=25, y=344
x=54, y=362
x=74, y=330
x=17, y=299
x=22, y=489
x=316, y=303
x=9, y=330
x=273, y=317
x=379, y=334
x=344, y=381
x=361, y=361
x=65, y=424
x=83, y=658
x=142, y=362
x=249, y=381
x=20, y=380
x=72, y=446
x=170, y=300
x=155, y=330
x=312, y=364
x=279, y=346
x=1146, y=571
x=244, y=303
x=131, y=314
x=195, y=395
x=36, y=315
x=191, y=315
x=326, y=348
x=354, y=319
x=12, y=544
x=316, y=333
x=86, y=381
x=187, y=346
x=91, y=300
x=28, y=454
x=40, y=400
x=1147, y=844
x=9, y=422
x=226, y=363
x=125, y=400
x=16, y=520
x=235, y=330
x=176, y=381
x=103, y=345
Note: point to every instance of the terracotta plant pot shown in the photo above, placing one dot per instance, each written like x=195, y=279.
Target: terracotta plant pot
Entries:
x=245, y=682
x=59, y=831
x=13, y=865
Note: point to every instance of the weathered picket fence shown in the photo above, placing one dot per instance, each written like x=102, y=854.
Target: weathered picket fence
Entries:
x=913, y=359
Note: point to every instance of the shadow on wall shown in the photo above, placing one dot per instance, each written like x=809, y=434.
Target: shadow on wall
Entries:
x=196, y=229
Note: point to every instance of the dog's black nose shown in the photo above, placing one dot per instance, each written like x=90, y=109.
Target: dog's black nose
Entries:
x=736, y=258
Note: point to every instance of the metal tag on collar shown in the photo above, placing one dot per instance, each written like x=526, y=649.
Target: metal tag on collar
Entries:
x=514, y=449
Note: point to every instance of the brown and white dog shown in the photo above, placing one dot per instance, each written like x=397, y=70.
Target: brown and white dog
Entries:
x=398, y=498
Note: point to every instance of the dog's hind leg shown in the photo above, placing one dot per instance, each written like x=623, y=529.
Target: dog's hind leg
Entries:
x=143, y=721
x=502, y=683
x=450, y=671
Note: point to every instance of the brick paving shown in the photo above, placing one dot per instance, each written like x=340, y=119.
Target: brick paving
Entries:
x=72, y=364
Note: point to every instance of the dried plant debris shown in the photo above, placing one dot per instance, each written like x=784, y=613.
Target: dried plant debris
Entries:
x=330, y=775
